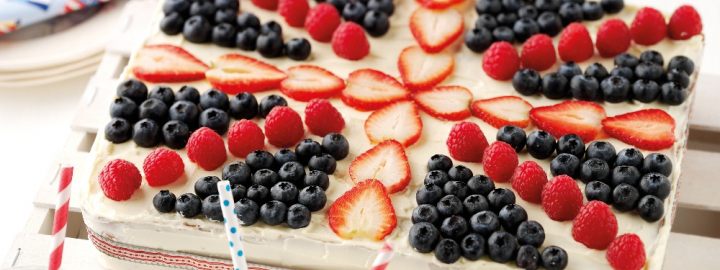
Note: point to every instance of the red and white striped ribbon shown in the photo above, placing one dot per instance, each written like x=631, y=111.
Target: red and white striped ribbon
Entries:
x=61, y=216
x=385, y=254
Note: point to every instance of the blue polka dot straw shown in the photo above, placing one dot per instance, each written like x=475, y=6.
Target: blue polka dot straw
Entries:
x=232, y=227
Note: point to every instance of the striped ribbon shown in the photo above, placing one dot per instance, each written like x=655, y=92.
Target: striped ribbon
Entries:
x=385, y=254
x=232, y=226
x=61, y=216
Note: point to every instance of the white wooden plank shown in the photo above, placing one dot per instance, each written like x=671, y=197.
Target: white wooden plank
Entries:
x=698, y=182
x=31, y=251
x=691, y=252
x=704, y=115
x=75, y=153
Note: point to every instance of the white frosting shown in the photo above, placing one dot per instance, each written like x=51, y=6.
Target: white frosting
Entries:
x=136, y=222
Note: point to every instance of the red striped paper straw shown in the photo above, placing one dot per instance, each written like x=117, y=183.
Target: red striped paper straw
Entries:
x=383, y=258
x=61, y=216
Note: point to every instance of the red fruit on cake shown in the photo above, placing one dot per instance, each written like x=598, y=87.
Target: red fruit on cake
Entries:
x=570, y=117
x=350, y=42
x=538, y=53
x=626, y=252
x=685, y=23
x=363, y=212
x=385, y=162
x=119, y=179
x=206, y=148
x=369, y=89
x=163, y=166
x=235, y=73
x=595, y=225
x=166, y=64
x=244, y=137
x=648, y=27
x=306, y=82
x=575, y=43
x=438, y=4
x=294, y=11
x=399, y=121
x=435, y=30
x=501, y=111
x=450, y=103
x=466, y=142
x=420, y=70
x=649, y=129
x=501, y=61
x=283, y=127
x=321, y=22
x=528, y=181
x=322, y=118
x=613, y=38
x=561, y=198
x=499, y=161
x=266, y=4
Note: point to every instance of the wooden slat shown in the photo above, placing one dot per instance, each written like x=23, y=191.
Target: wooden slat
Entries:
x=705, y=109
x=32, y=250
x=691, y=252
x=699, y=181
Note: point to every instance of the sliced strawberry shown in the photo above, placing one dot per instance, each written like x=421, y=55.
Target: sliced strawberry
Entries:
x=399, y=121
x=439, y=4
x=501, y=111
x=235, y=73
x=420, y=70
x=649, y=129
x=365, y=212
x=435, y=29
x=369, y=89
x=306, y=82
x=578, y=117
x=167, y=63
x=445, y=102
x=385, y=162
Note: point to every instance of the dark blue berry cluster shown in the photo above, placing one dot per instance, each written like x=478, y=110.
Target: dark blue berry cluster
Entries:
x=372, y=15
x=633, y=78
x=463, y=215
x=218, y=22
x=517, y=20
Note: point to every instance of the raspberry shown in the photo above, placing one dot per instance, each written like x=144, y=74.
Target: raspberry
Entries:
x=501, y=61
x=595, y=225
x=466, y=142
x=499, y=161
x=626, y=252
x=575, y=43
x=322, y=118
x=648, y=27
x=561, y=198
x=266, y=4
x=685, y=23
x=538, y=53
x=119, y=179
x=162, y=166
x=283, y=127
x=613, y=38
x=244, y=137
x=528, y=181
x=349, y=41
x=294, y=11
x=321, y=22
x=206, y=148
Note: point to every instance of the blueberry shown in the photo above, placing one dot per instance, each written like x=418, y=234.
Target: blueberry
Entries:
x=317, y=178
x=323, y=162
x=480, y=184
x=271, y=27
x=243, y=106
x=175, y=134
x=292, y=172
x=336, y=145
x=503, y=33
x=436, y=177
x=524, y=28
x=488, y=6
x=449, y=205
x=214, y=98
x=258, y=193
x=238, y=192
x=612, y=6
x=423, y=237
x=447, y=251
x=428, y=193
x=179, y=6
x=285, y=155
x=615, y=89
x=682, y=63
x=172, y=24
x=512, y=135
x=527, y=81
x=146, y=133
x=592, y=11
x=211, y=208
x=555, y=86
x=648, y=71
x=486, y=21
x=502, y=246
x=229, y=4
x=679, y=77
x=154, y=109
x=645, y=90
x=270, y=102
x=598, y=191
x=425, y=213
x=652, y=56
x=601, y=150
x=298, y=216
x=270, y=45
x=454, y=227
x=626, y=60
x=625, y=72
x=460, y=173
x=550, y=23
x=472, y=246
x=385, y=6
x=554, y=258
x=566, y=164
x=547, y=5
x=188, y=205
x=439, y=162
x=512, y=5
x=338, y=4
x=247, y=211
x=474, y=204
x=478, y=39
x=457, y=188
x=511, y=216
x=625, y=197
x=188, y=93
x=197, y=29
x=273, y=212
x=246, y=39
x=260, y=159
x=569, y=70
x=571, y=144
x=215, y=119
x=658, y=163
x=655, y=184
x=133, y=89
x=500, y=197
x=528, y=257
x=206, y=186
x=629, y=157
x=354, y=11
x=530, y=233
x=673, y=94
x=584, y=87
x=540, y=144
x=164, y=201
x=248, y=20
x=226, y=16
x=485, y=223
x=625, y=175
x=313, y=197
x=223, y=35
x=529, y=12
x=265, y=177
x=118, y=130
x=376, y=23
x=651, y=208
x=298, y=49
x=186, y=112
x=594, y=169
x=202, y=8
x=570, y=12
x=285, y=192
